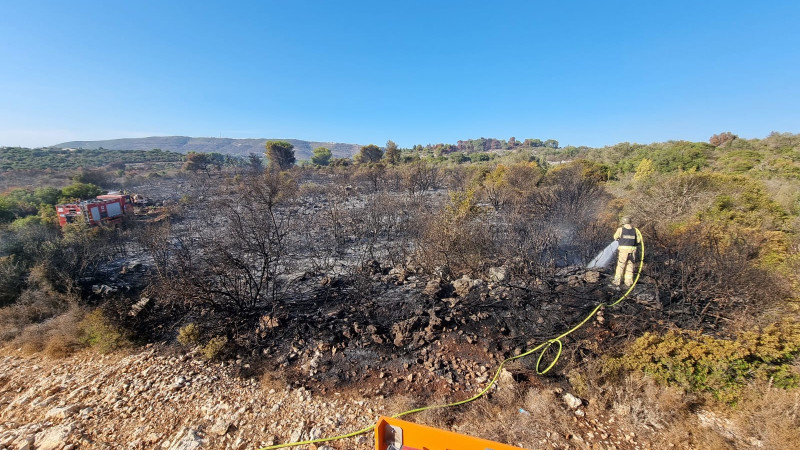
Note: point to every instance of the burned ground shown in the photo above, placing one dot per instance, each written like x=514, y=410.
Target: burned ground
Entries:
x=347, y=286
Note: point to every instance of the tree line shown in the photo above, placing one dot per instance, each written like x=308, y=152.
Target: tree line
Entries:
x=18, y=158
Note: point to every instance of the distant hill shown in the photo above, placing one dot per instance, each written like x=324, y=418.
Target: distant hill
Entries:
x=227, y=146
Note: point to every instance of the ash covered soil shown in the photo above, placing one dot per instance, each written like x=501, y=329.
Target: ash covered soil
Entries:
x=423, y=334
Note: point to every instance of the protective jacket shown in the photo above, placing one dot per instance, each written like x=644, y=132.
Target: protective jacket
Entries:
x=626, y=235
x=626, y=253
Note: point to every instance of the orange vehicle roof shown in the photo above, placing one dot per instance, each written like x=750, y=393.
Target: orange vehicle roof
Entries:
x=390, y=432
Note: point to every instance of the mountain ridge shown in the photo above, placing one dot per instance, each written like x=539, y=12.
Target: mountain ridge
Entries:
x=229, y=146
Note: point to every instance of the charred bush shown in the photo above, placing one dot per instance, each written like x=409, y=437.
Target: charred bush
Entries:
x=97, y=177
x=558, y=216
x=382, y=228
x=70, y=258
x=371, y=177
x=420, y=176
x=570, y=192
x=457, y=237
x=703, y=276
x=34, y=306
x=75, y=262
x=11, y=279
x=231, y=257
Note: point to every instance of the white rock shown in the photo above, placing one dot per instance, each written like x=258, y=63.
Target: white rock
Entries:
x=221, y=426
x=187, y=439
x=62, y=412
x=54, y=437
x=506, y=380
x=572, y=401
x=498, y=274
x=24, y=442
x=295, y=436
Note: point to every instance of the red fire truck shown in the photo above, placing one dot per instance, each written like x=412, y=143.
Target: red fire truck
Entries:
x=105, y=209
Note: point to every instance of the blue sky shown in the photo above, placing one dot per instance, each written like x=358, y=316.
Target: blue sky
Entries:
x=416, y=72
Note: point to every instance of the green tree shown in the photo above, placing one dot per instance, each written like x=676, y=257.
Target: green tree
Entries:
x=533, y=143
x=20, y=196
x=392, y=154
x=369, y=154
x=681, y=155
x=551, y=143
x=280, y=154
x=80, y=191
x=98, y=177
x=476, y=157
x=321, y=157
x=458, y=157
x=6, y=213
x=47, y=195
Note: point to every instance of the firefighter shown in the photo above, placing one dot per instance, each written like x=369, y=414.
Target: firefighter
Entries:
x=627, y=236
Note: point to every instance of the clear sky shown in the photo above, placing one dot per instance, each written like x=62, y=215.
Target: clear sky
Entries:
x=417, y=72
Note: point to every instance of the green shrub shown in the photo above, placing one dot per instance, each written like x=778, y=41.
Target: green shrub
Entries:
x=719, y=367
x=47, y=195
x=478, y=157
x=79, y=191
x=24, y=222
x=189, y=335
x=745, y=202
x=97, y=332
x=213, y=349
x=740, y=161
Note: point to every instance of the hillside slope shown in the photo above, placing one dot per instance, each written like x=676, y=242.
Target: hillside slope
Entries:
x=154, y=398
x=228, y=146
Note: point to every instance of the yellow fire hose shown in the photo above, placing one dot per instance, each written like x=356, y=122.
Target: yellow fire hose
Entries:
x=541, y=348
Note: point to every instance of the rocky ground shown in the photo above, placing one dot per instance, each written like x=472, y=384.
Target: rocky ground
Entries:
x=154, y=398
x=150, y=399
